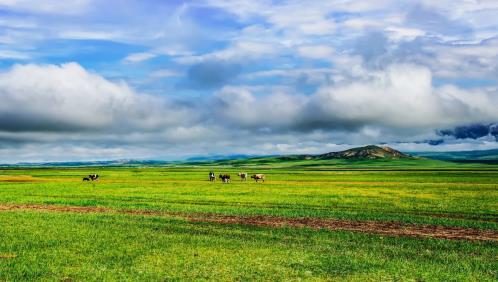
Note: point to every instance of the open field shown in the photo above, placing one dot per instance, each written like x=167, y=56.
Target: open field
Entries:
x=396, y=221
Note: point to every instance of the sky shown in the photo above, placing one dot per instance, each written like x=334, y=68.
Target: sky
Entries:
x=150, y=79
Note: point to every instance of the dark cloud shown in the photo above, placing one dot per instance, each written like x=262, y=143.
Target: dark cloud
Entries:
x=211, y=74
x=435, y=142
x=23, y=122
x=473, y=131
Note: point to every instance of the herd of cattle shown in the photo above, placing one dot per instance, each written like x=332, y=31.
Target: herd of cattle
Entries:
x=225, y=178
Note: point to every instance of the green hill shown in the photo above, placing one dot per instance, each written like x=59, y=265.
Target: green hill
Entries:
x=367, y=156
x=371, y=152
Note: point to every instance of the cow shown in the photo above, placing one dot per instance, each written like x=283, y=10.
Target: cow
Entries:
x=86, y=179
x=212, y=177
x=225, y=178
x=242, y=175
x=258, y=177
x=94, y=177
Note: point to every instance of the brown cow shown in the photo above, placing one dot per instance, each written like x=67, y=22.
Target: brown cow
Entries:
x=242, y=175
x=258, y=177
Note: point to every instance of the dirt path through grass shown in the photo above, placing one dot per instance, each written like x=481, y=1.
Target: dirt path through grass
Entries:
x=376, y=227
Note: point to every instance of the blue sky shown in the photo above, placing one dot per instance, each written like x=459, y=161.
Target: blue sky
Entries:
x=88, y=79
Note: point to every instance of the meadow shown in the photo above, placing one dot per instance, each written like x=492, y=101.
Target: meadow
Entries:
x=424, y=221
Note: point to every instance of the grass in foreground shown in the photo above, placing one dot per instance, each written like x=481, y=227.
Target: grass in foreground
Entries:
x=465, y=198
x=96, y=247
x=104, y=246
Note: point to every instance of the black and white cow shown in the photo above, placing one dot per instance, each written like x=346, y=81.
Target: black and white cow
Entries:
x=225, y=178
x=212, y=177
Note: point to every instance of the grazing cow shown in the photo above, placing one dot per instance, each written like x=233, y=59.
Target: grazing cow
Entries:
x=94, y=177
x=225, y=178
x=242, y=175
x=258, y=177
x=212, y=177
x=86, y=179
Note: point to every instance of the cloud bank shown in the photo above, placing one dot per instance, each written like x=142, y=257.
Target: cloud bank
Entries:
x=66, y=104
x=94, y=79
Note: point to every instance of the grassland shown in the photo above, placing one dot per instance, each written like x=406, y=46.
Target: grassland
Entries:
x=156, y=223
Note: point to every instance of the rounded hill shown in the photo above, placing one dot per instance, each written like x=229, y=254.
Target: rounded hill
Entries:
x=366, y=152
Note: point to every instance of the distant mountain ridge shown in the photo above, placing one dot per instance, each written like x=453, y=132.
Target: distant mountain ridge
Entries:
x=476, y=155
x=220, y=157
x=370, y=152
x=90, y=163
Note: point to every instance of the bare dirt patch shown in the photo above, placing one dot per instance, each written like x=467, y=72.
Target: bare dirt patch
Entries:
x=18, y=178
x=391, y=228
x=54, y=208
x=377, y=227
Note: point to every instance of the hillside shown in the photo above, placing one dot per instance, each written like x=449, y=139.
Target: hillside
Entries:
x=367, y=156
x=368, y=152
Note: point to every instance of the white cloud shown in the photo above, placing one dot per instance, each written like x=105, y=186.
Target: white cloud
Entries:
x=13, y=22
x=51, y=109
x=400, y=97
x=478, y=60
x=165, y=73
x=139, y=57
x=239, y=50
x=7, y=54
x=400, y=100
x=239, y=107
x=402, y=33
x=377, y=90
x=294, y=73
x=48, y=6
x=88, y=35
x=360, y=23
x=68, y=98
x=316, y=51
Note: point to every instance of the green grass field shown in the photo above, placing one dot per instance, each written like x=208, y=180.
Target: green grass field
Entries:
x=139, y=223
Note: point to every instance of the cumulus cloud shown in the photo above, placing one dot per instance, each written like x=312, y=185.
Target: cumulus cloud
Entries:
x=240, y=108
x=69, y=98
x=400, y=98
x=67, y=104
x=259, y=76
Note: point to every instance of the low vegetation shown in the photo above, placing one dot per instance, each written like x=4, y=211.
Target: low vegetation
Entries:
x=310, y=219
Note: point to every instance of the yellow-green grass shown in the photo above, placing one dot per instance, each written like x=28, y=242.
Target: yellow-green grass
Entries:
x=37, y=245
x=98, y=247
x=459, y=198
